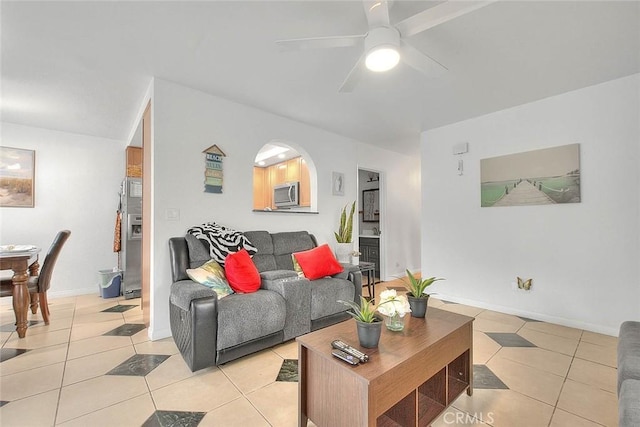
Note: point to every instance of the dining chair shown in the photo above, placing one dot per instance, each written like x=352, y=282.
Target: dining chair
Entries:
x=39, y=285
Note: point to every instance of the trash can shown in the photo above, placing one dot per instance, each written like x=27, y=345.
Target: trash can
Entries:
x=109, y=284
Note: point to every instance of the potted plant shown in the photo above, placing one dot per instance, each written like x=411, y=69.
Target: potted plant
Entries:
x=417, y=296
x=344, y=235
x=368, y=323
x=355, y=257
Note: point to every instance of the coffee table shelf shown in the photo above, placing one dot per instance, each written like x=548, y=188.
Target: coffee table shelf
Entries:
x=433, y=397
x=410, y=379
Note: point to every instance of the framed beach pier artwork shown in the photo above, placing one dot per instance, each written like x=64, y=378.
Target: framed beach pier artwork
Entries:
x=540, y=177
x=17, y=177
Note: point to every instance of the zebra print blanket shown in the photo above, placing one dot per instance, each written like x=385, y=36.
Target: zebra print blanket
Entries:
x=221, y=241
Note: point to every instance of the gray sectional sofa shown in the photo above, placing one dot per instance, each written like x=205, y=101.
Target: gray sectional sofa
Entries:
x=210, y=331
x=629, y=374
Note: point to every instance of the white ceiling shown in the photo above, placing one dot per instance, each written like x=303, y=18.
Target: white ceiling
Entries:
x=83, y=67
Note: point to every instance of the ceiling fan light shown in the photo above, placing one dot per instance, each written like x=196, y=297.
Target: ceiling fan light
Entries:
x=382, y=58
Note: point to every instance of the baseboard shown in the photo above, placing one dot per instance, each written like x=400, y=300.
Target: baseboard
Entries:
x=155, y=335
x=59, y=294
x=571, y=323
x=73, y=292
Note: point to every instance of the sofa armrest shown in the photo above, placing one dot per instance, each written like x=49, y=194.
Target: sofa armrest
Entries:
x=184, y=292
x=296, y=292
x=349, y=268
x=628, y=352
x=194, y=323
x=353, y=274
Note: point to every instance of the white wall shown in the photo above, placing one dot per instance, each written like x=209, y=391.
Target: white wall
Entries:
x=584, y=257
x=187, y=121
x=77, y=182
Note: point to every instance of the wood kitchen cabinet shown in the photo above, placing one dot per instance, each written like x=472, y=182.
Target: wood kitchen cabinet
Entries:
x=260, y=188
x=292, y=170
x=134, y=161
x=278, y=174
x=305, y=184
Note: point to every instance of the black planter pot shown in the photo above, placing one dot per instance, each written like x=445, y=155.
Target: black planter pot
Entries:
x=369, y=333
x=418, y=305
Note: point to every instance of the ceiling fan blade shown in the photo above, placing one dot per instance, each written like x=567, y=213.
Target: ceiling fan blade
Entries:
x=438, y=15
x=419, y=61
x=354, y=76
x=377, y=12
x=320, y=42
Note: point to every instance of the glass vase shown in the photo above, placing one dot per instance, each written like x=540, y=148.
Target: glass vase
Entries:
x=394, y=323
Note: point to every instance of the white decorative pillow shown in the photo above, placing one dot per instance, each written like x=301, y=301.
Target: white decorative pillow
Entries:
x=211, y=274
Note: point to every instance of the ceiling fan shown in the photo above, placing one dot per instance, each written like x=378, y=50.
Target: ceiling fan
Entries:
x=385, y=44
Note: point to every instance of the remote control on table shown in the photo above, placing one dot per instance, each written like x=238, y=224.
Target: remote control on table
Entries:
x=341, y=345
x=346, y=357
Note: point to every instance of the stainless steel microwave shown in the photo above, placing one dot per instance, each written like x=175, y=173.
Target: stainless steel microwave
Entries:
x=286, y=195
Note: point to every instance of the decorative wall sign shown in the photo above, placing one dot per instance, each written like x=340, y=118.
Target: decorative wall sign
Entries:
x=540, y=177
x=213, y=169
x=337, y=183
x=17, y=177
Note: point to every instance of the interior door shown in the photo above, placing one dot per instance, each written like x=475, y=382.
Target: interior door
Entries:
x=371, y=182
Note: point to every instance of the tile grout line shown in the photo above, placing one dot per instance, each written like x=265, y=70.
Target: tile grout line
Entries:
x=65, y=366
x=573, y=358
x=243, y=396
x=64, y=369
x=555, y=406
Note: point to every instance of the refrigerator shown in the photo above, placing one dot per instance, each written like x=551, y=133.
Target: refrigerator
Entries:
x=131, y=249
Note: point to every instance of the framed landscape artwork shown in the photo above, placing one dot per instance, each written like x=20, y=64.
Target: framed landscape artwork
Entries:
x=541, y=177
x=17, y=173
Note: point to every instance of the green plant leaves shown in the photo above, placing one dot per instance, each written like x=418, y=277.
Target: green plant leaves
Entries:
x=364, y=313
x=345, y=230
x=417, y=286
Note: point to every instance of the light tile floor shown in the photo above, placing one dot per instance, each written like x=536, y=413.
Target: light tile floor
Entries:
x=568, y=377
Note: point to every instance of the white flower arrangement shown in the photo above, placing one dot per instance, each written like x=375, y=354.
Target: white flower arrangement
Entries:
x=391, y=303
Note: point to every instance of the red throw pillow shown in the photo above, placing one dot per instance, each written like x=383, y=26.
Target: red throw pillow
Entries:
x=318, y=262
x=241, y=272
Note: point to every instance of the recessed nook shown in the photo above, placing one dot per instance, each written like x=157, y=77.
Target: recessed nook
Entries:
x=284, y=179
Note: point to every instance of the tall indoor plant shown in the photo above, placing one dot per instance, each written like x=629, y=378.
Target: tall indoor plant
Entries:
x=417, y=296
x=344, y=235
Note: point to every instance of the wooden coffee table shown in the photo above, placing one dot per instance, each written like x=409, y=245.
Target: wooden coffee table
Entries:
x=409, y=380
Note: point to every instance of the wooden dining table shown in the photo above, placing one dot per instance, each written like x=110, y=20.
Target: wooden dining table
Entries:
x=23, y=263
